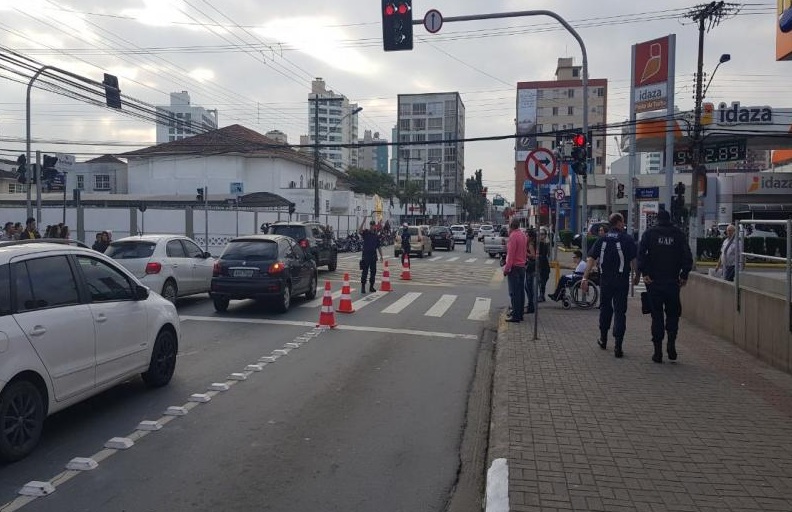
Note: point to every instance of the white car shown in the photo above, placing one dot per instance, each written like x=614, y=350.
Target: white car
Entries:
x=171, y=265
x=485, y=230
x=73, y=323
x=458, y=231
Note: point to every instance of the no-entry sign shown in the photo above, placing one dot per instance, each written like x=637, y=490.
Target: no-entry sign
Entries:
x=540, y=166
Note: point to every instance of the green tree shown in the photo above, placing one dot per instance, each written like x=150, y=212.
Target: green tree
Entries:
x=473, y=202
x=411, y=193
x=365, y=181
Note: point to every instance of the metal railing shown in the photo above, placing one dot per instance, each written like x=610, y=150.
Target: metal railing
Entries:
x=787, y=260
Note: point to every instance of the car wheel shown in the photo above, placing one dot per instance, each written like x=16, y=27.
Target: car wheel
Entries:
x=430, y=252
x=311, y=293
x=163, y=360
x=453, y=246
x=284, y=301
x=221, y=304
x=491, y=254
x=420, y=253
x=170, y=291
x=333, y=264
x=21, y=420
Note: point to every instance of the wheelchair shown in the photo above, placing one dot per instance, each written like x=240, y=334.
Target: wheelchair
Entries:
x=574, y=295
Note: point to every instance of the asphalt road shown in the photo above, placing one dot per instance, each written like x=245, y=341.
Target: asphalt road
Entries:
x=367, y=416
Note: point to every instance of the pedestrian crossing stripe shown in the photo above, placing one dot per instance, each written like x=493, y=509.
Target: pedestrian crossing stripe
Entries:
x=436, y=258
x=480, y=309
x=471, y=260
x=489, y=262
x=453, y=259
x=402, y=303
x=441, y=306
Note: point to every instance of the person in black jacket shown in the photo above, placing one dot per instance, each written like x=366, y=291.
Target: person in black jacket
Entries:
x=664, y=260
x=30, y=231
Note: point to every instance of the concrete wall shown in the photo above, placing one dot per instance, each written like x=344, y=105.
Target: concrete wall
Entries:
x=760, y=327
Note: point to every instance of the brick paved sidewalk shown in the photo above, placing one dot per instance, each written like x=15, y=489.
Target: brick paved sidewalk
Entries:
x=582, y=430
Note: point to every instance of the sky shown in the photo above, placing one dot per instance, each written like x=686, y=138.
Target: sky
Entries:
x=254, y=61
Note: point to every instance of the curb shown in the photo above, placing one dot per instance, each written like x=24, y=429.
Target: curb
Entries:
x=497, y=481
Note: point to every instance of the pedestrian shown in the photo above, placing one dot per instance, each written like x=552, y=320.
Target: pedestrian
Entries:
x=570, y=279
x=530, y=269
x=543, y=264
x=8, y=231
x=17, y=230
x=728, y=254
x=371, y=246
x=469, y=239
x=615, y=252
x=514, y=269
x=101, y=243
x=405, y=243
x=30, y=232
x=664, y=260
x=64, y=232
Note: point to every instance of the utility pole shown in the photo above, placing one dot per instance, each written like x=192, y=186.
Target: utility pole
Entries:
x=706, y=16
x=315, y=100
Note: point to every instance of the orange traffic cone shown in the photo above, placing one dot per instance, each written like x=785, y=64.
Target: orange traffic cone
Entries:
x=385, y=285
x=345, y=305
x=405, y=275
x=327, y=317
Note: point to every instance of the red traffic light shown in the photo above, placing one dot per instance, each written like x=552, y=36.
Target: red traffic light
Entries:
x=403, y=8
x=390, y=10
x=579, y=140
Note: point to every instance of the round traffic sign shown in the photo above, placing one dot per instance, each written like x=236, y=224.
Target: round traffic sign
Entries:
x=433, y=21
x=559, y=194
x=540, y=166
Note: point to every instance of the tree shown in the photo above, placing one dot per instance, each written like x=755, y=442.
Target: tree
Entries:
x=364, y=181
x=411, y=193
x=473, y=202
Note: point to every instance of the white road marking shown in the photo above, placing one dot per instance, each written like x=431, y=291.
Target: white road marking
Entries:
x=453, y=259
x=402, y=303
x=366, y=300
x=354, y=256
x=489, y=262
x=436, y=258
x=320, y=297
x=471, y=260
x=480, y=309
x=441, y=306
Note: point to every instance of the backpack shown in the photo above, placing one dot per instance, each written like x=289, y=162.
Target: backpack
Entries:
x=612, y=261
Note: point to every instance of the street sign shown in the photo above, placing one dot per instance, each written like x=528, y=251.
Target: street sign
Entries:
x=534, y=200
x=527, y=186
x=237, y=188
x=647, y=193
x=433, y=21
x=559, y=194
x=541, y=166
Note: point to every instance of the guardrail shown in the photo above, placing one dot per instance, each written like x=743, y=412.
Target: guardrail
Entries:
x=787, y=260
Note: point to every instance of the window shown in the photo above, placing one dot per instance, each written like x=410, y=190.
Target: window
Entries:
x=450, y=154
x=540, y=94
x=450, y=107
x=555, y=127
x=575, y=72
x=130, y=250
x=5, y=290
x=419, y=109
x=16, y=188
x=570, y=93
x=600, y=92
x=174, y=249
x=192, y=250
x=435, y=154
x=44, y=283
x=404, y=137
x=404, y=125
x=598, y=160
x=419, y=125
x=104, y=282
x=435, y=136
x=570, y=111
x=539, y=128
x=555, y=111
x=435, y=123
x=418, y=137
x=405, y=109
x=102, y=182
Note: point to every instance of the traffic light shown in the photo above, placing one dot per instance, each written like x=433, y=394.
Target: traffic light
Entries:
x=291, y=208
x=112, y=92
x=620, y=191
x=48, y=170
x=579, y=154
x=22, y=168
x=397, y=31
x=200, y=197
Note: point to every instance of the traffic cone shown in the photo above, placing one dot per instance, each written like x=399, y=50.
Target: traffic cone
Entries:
x=327, y=317
x=405, y=275
x=385, y=286
x=345, y=305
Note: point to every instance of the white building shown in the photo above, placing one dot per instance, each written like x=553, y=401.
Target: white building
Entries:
x=645, y=163
x=374, y=158
x=105, y=174
x=183, y=119
x=337, y=124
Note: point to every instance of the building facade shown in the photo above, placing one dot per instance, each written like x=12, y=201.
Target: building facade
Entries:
x=374, y=158
x=183, y=119
x=430, y=130
x=337, y=124
x=103, y=175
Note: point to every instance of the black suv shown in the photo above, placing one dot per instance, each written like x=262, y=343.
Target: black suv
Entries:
x=312, y=237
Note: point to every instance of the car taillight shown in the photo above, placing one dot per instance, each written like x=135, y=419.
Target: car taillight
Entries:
x=276, y=267
x=153, y=267
x=304, y=243
x=216, y=269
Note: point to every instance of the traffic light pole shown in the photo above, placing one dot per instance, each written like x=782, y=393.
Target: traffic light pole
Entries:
x=568, y=27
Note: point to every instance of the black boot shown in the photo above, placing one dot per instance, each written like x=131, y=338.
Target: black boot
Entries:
x=362, y=287
x=657, y=357
x=371, y=288
x=671, y=348
x=603, y=341
x=618, y=350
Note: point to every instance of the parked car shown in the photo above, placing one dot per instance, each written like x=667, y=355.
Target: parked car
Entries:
x=441, y=236
x=171, y=265
x=459, y=232
x=420, y=242
x=312, y=237
x=263, y=267
x=74, y=323
x=485, y=230
x=495, y=242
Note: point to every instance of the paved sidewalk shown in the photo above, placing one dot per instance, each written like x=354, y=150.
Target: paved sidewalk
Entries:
x=582, y=430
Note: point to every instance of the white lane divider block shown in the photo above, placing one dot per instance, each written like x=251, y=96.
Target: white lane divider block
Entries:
x=149, y=425
x=175, y=410
x=119, y=443
x=82, y=464
x=238, y=376
x=36, y=488
x=254, y=368
x=200, y=398
x=219, y=386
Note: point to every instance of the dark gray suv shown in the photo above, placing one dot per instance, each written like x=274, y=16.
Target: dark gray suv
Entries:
x=312, y=237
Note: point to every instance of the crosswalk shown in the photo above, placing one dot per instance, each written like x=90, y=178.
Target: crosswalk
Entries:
x=442, y=259
x=416, y=303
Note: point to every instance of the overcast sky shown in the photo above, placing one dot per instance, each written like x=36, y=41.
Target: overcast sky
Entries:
x=254, y=60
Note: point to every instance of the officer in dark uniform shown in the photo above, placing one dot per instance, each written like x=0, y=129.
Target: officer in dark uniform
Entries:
x=371, y=246
x=615, y=253
x=664, y=260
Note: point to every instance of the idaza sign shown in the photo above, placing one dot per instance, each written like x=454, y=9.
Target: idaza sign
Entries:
x=737, y=114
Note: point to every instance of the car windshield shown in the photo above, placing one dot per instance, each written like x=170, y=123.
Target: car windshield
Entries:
x=457, y=228
x=130, y=250
x=296, y=232
x=251, y=250
x=436, y=230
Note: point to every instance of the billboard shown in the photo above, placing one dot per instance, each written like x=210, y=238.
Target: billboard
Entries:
x=652, y=62
x=526, y=123
x=784, y=30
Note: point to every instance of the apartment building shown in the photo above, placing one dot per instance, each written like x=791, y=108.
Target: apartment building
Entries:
x=374, y=158
x=183, y=119
x=337, y=124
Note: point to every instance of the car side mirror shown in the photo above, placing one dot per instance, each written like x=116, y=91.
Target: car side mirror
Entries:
x=207, y=255
x=141, y=292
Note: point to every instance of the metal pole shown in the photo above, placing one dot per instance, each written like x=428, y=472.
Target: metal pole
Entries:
x=789, y=271
x=697, y=142
x=737, y=262
x=633, y=158
x=206, y=218
x=236, y=207
x=37, y=174
x=670, y=126
x=316, y=164
x=64, y=198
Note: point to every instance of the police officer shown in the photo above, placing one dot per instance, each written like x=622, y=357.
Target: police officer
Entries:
x=371, y=246
x=615, y=253
x=664, y=260
x=405, y=243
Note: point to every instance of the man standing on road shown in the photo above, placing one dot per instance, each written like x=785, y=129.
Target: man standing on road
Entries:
x=405, y=243
x=30, y=231
x=514, y=269
x=615, y=252
x=371, y=246
x=468, y=238
x=664, y=260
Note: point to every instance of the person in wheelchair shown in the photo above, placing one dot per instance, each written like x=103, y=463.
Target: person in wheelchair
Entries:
x=569, y=279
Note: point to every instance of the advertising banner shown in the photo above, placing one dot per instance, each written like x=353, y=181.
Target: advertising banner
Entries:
x=650, y=74
x=526, y=123
x=784, y=30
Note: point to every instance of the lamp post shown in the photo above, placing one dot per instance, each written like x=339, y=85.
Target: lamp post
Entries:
x=316, y=164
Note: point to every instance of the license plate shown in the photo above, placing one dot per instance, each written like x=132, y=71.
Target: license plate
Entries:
x=243, y=272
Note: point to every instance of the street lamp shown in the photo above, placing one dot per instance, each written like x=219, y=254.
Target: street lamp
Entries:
x=316, y=99
x=723, y=59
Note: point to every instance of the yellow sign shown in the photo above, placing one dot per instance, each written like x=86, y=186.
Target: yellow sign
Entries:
x=377, y=208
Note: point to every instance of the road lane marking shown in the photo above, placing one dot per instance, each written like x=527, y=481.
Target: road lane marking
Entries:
x=489, y=262
x=366, y=300
x=318, y=300
x=453, y=259
x=480, y=309
x=471, y=260
x=441, y=306
x=436, y=258
x=402, y=303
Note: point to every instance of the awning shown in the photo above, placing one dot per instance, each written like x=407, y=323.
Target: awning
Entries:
x=263, y=200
